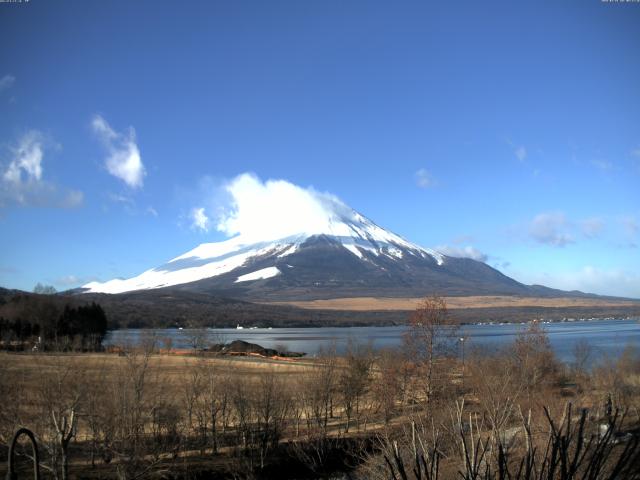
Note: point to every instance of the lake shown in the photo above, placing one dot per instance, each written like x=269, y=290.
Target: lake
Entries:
x=606, y=337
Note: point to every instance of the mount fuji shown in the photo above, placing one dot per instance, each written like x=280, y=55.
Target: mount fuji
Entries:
x=317, y=248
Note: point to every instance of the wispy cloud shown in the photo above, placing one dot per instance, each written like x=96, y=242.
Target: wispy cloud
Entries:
x=463, y=239
x=7, y=82
x=129, y=204
x=424, y=179
x=199, y=219
x=630, y=224
x=520, y=151
x=592, y=227
x=558, y=230
x=635, y=160
x=123, y=159
x=8, y=269
x=591, y=279
x=72, y=199
x=70, y=281
x=152, y=211
x=26, y=164
x=604, y=165
x=122, y=199
x=22, y=181
x=462, y=252
x=551, y=228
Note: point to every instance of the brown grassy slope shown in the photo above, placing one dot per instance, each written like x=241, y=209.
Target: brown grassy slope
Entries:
x=410, y=303
x=170, y=368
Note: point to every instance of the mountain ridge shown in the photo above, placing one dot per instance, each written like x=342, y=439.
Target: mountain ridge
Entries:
x=340, y=254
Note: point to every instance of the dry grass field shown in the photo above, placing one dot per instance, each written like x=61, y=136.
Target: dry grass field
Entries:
x=410, y=303
x=141, y=415
x=166, y=370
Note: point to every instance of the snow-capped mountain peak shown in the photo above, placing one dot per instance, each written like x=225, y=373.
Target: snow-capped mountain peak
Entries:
x=283, y=235
x=354, y=232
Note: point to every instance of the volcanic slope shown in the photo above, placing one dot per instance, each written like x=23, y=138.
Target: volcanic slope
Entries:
x=339, y=254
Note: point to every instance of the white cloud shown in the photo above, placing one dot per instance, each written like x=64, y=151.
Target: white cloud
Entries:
x=73, y=198
x=463, y=239
x=22, y=180
x=200, y=220
x=265, y=210
x=276, y=209
x=27, y=159
x=603, y=165
x=70, y=281
x=462, y=252
x=119, y=198
x=630, y=224
x=129, y=205
x=7, y=82
x=551, y=228
x=556, y=229
x=520, y=153
x=424, y=179
x=590, y=279
x=123, y=160
x=591, y=227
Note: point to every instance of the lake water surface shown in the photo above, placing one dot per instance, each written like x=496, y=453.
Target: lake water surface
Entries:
x=606, y=337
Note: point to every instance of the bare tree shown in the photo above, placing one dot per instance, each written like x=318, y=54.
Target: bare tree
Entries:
x=534, y=362
x=193, y=400
x=390, y=383
x=354, y=379
x=582, y=355
x=217, y=400
x=242, y=410
x=62, y=388
x=134, y=401
x=197, y=338
x=44, y=289
x=272, y=406
x=431, y=332
x=13, y=393
x=167, y=343
x=494, y=383
x=617, y=381
x=573, y=449
x=296, y=386
x=93, y=411
x=319, y=391
x=205, y=398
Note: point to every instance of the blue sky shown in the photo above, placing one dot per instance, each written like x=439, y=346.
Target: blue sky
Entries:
x=505, y=131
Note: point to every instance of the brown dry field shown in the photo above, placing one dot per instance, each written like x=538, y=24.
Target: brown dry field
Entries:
x=409, y=303
x=168, y=370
